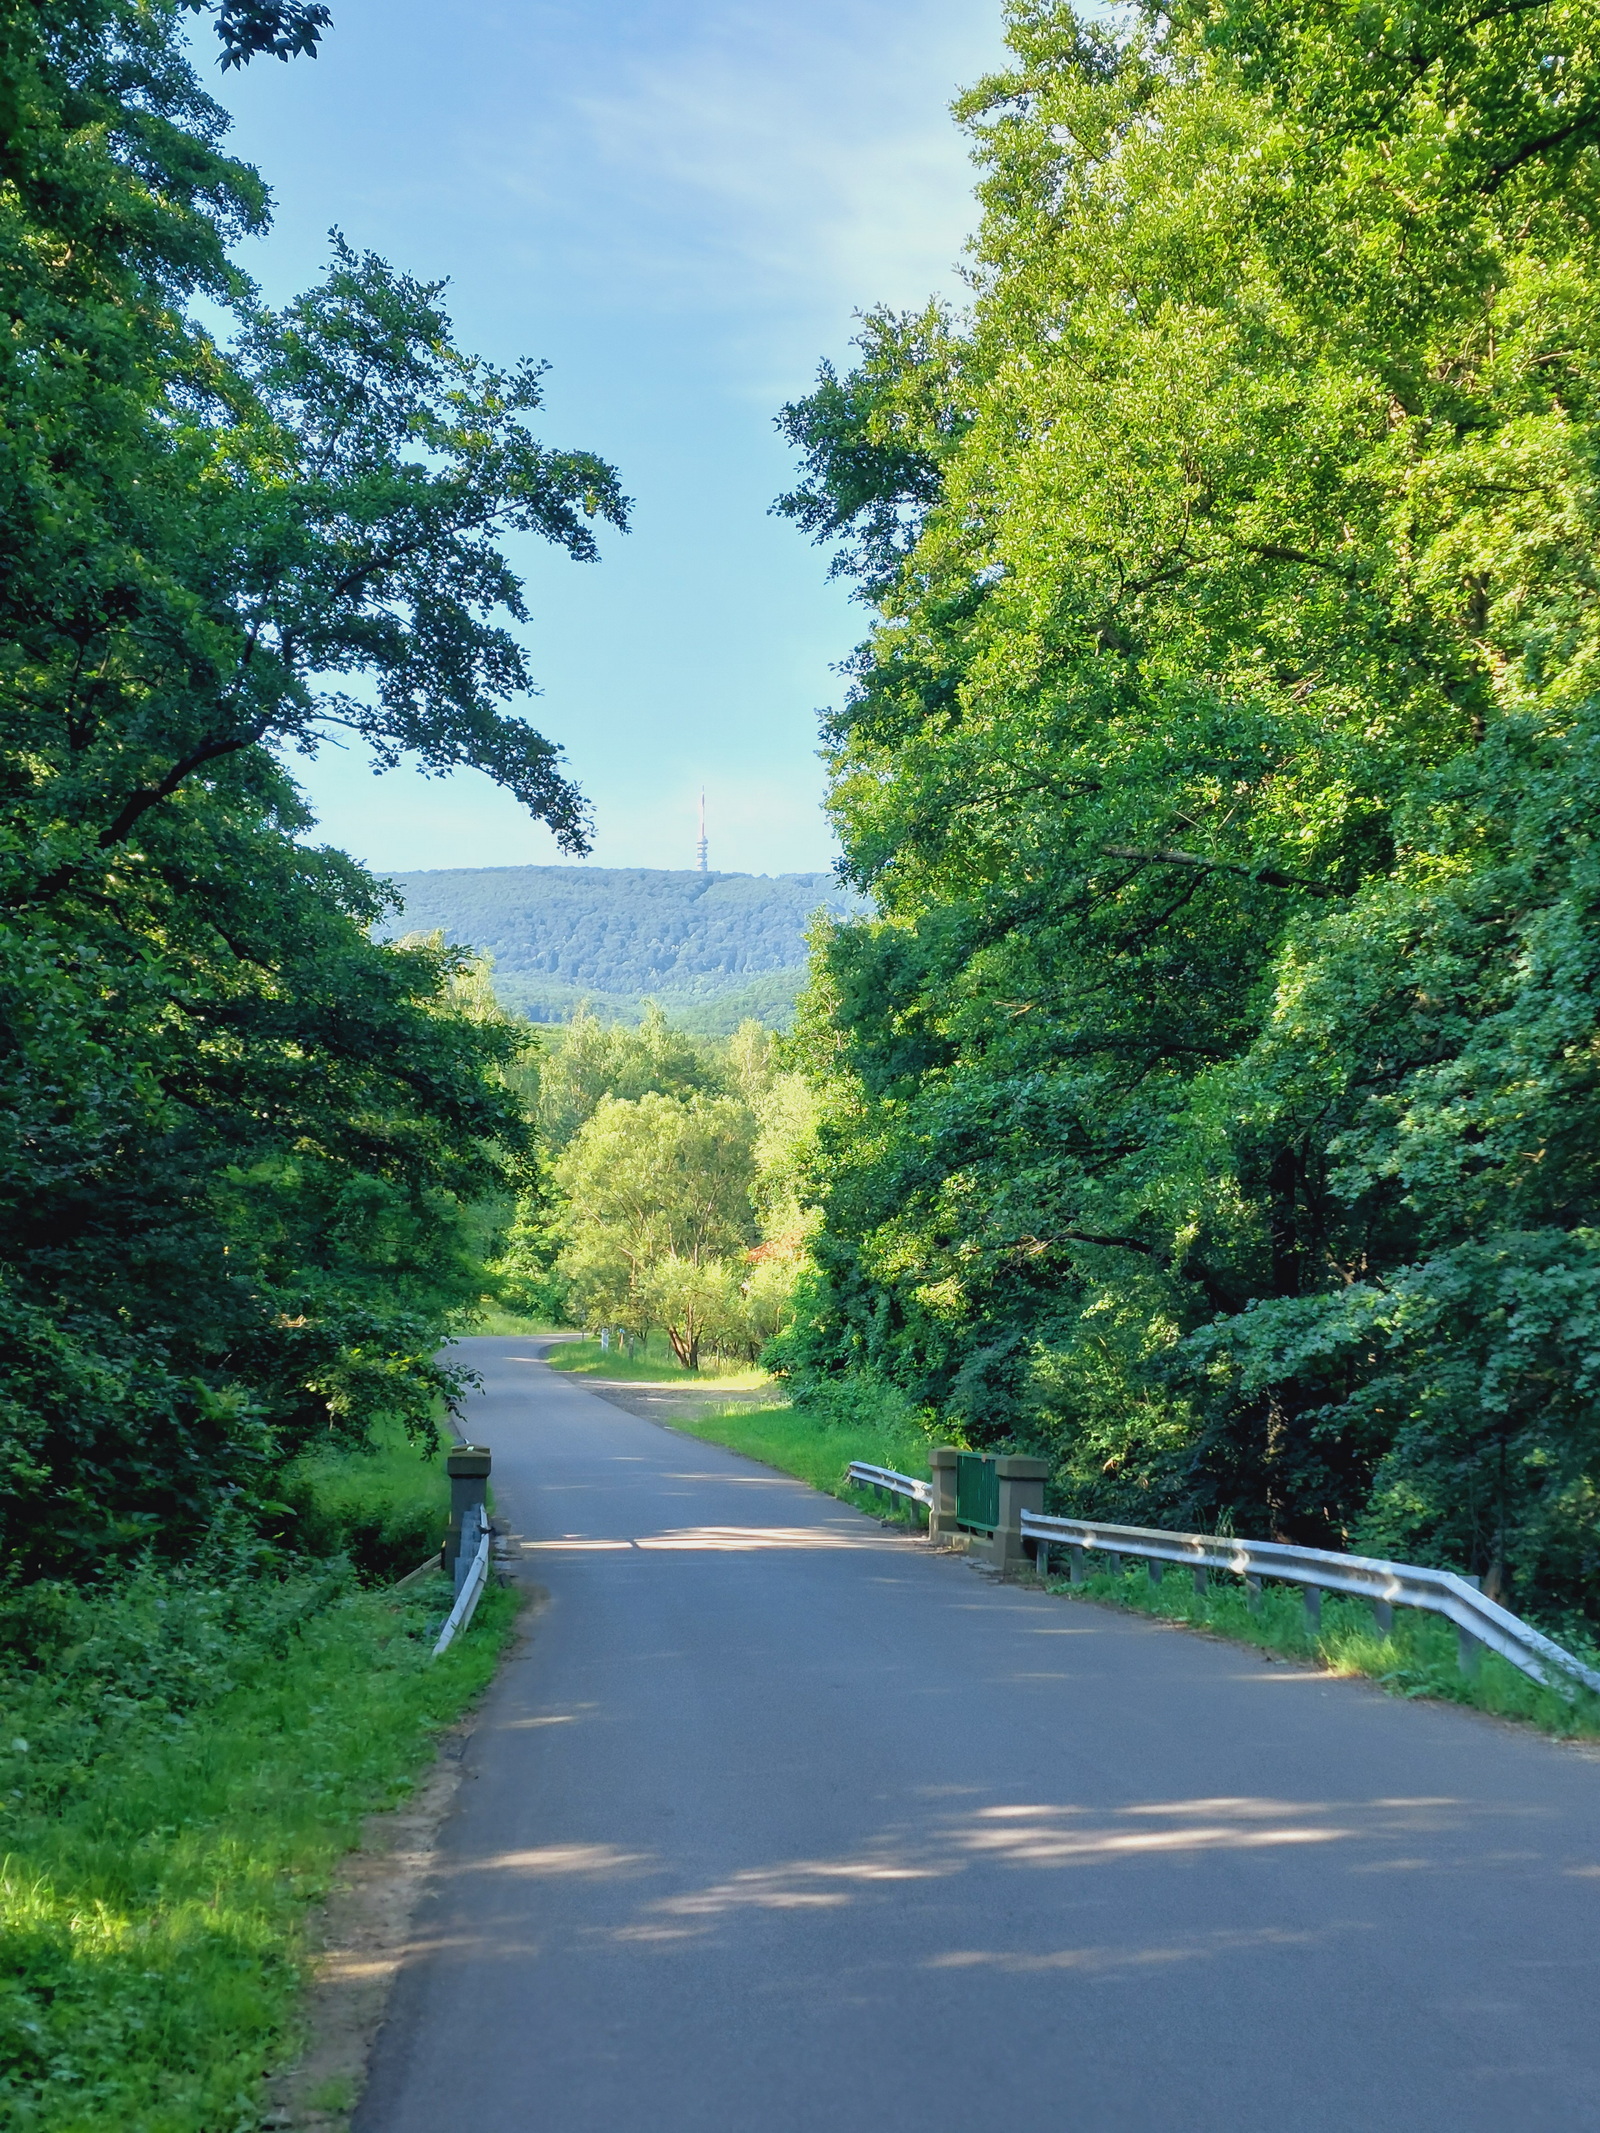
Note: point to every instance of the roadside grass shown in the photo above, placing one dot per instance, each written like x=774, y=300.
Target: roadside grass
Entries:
x=489, y=1318
x=1417, y=1659
x=818, y=1448
x=385, y=1507
x=655, y=1365
x=184, y=1757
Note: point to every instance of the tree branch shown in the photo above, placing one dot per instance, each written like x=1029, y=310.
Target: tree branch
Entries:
x=1269, y=877
x=145, y=797
x=1586, y=122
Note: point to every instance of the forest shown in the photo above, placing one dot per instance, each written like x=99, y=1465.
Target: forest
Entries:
x=712, y=949
x=1211, y=1102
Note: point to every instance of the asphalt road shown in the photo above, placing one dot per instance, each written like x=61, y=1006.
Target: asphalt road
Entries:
x=778, y=1821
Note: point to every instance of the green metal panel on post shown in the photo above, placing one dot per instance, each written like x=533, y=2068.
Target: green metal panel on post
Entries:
x=977, y=1493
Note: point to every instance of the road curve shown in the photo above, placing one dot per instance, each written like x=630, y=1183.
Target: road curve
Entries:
x=778, y=1821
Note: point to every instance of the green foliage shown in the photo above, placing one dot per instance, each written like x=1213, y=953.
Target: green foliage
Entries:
x=1211, y=1102
x=179, y=1772
x=590, y=1060
x=561, y=1086
x=658, y=1198
x=383, y=1505
x=678, y=1211
x=241, y=1143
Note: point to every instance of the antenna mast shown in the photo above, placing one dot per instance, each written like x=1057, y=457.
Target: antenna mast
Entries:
x=702, y=844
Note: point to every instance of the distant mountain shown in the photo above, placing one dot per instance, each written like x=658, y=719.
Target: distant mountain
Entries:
x=712, y=948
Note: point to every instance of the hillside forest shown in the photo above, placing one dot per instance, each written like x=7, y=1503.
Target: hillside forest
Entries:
x=712, y=950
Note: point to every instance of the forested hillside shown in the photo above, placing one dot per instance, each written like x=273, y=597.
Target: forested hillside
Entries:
x=713, y=949
x=1214, y=1102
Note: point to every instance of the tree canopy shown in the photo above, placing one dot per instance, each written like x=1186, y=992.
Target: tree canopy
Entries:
x=1211, y=1102
x=238, y=1137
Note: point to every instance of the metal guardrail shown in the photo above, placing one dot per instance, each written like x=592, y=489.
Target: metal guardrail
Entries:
x=472, y=1575
x=885, y=1477
x=1478, y=1619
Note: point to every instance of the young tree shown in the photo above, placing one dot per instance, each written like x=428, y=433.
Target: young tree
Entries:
x=654, y=1187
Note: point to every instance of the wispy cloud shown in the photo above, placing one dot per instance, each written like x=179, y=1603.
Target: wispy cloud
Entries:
x=761, y=159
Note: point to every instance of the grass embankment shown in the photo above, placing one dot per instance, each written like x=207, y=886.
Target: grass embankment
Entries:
x=1417, y=1659
x=653, y=1363
x=386, y=1508
x=817, y=1439
x=184, y=1756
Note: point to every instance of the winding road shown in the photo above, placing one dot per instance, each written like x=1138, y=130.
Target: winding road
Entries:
x=778, y=1822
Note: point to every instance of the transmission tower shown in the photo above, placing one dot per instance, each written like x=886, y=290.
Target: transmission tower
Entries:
x=701, y=847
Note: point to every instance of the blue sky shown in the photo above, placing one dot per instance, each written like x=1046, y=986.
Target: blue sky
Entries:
x=679, y=206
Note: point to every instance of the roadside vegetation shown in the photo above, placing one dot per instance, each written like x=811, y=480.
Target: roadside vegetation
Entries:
x=798, y=1441
x=668, y=1207
x=185, y=1752
x=383, y=1504
x=1210, y=1104
x=650, y=1360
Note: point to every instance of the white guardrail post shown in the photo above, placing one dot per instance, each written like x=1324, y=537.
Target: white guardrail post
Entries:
x=473, y=1564
x=1479, y=1620
x=469, y=1542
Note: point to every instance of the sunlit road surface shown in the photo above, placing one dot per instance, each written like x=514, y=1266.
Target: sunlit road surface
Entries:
x=779, y=1821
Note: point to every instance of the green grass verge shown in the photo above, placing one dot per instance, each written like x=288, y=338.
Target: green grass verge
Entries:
x=1417, y=1659
x=178, y=1778
x=654, y=1365
x=385, y=1506
x=489, y=1318
x=818, y=1448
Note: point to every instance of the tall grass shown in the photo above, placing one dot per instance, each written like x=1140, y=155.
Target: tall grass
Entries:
x=384, y=1506
x=184, y=1756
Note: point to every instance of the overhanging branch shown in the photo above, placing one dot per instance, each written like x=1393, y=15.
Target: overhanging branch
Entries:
x=1269, y=877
